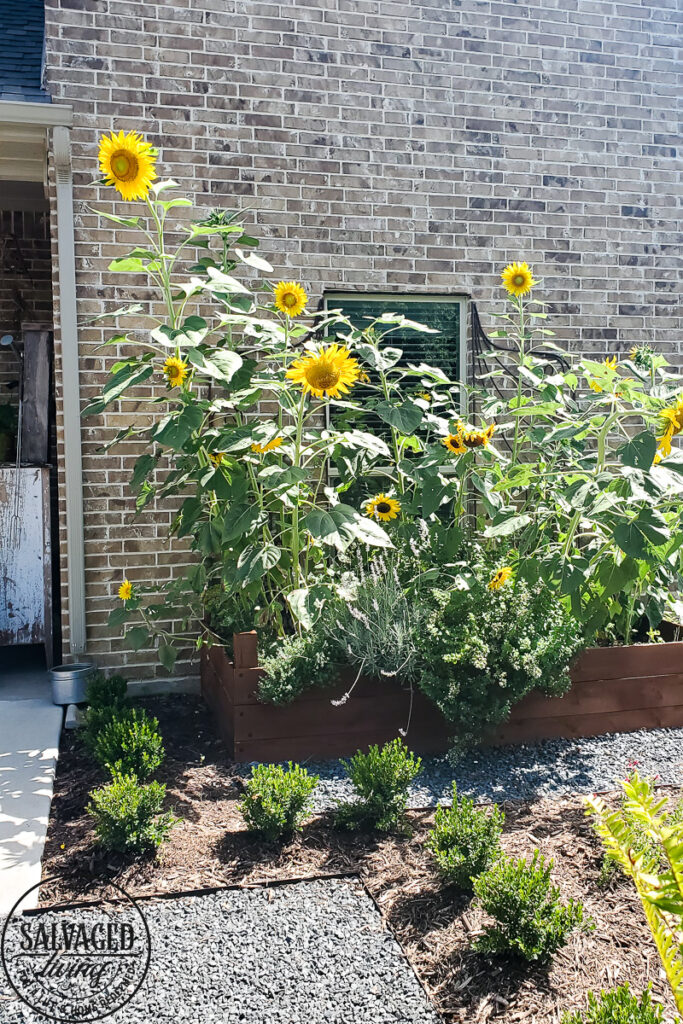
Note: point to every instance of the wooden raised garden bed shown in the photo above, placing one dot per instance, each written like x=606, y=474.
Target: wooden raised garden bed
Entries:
x=615, y=689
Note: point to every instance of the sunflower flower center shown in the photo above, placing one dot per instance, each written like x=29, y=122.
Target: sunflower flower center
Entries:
x=124, y=165
x=519, y=279
x=322, y=376
x=383, y=507
x=289, y=299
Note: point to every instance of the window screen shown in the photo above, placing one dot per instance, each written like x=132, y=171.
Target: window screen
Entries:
x=445, y=314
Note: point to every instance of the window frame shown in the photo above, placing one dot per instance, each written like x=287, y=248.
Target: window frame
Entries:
x=331, y=299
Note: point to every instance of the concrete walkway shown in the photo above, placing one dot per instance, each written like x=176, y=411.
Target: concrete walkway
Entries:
x=30, y=725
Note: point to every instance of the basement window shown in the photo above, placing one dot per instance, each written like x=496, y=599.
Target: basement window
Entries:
x=445, y=313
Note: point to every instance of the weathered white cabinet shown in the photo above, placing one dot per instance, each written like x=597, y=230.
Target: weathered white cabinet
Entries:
x=25, y=568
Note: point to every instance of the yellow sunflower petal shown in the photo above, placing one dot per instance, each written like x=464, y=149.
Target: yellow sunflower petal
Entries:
x=128, y=163
x=518, y=278
x=126, y=591
x=290, y=298
x=269, y=446
x=328, y=373
x=500, y=578
x=175, y=371
x=383, y=508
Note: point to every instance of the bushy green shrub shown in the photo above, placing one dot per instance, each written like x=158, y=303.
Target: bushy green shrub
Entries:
x=529, y=920
x=618, y=1006
x=107, y=700
x=465, y=840
x=277, y=799
x=380, y=779
x=103, y=691
x=484, y=649
x=297, y=664
x=127, y=815
x=130, y=744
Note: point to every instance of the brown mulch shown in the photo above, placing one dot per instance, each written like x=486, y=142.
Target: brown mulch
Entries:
x=433, y=924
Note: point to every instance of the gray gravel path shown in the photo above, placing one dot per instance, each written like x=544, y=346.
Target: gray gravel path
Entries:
x=310, y=953
x=522, y=772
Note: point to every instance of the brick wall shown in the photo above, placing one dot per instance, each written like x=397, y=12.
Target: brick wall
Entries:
x=396, y=146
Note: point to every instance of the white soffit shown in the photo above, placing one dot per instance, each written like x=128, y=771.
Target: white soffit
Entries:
x=23, y=152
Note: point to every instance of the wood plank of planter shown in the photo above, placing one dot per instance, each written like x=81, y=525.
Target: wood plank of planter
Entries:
x=574, y=726
x=628, y=662
x=383, y=715
x=600, y=695
x=217, y=695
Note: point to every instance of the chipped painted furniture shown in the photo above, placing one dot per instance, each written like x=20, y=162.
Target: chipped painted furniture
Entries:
x=25, y=566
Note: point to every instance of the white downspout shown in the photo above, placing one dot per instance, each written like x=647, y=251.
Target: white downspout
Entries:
x=73, y=468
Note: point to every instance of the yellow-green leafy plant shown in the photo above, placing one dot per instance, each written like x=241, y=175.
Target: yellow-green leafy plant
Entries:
x=656, y=872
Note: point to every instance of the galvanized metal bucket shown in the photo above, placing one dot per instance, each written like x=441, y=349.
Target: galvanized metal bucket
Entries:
x=69, y=682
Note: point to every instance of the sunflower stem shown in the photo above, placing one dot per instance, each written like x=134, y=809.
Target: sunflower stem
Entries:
x=296, y=569
x=522, y=325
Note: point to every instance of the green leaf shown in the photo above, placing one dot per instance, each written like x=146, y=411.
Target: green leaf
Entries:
x=369, y=532
x=128, y=265
x=254, y=562
x=507, y=526
x=341, y=524
x=241, y=520
x=167, y=656
x=222, y=364
x=328, y=525
x=143, y=467
x=631, y=540
x=379, y=359
x=365, y=441
x=138, y=637
x=652, y=524
x=640, y=450
x=307, y=603
x=220, y=282
x=614, y=576
x=539, y=409
x=117, y=616
x=405, y=417
x=175, y=431
x=433, y=492
x=130, y=310
x=127, y=222
x=171, y=204
x=127, y=377
x=252, y=260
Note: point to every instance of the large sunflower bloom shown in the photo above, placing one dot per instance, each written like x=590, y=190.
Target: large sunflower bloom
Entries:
x=269, y=446
x=290, y=298
x=326, y=373
x=127, y=162
x=518, y=279
x=500, y=578
x=175, y=371
x=126, y=590
x=381, y=507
